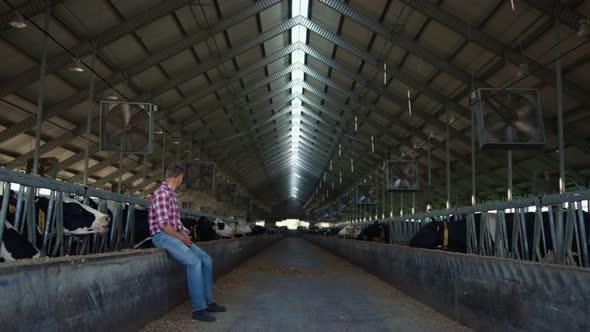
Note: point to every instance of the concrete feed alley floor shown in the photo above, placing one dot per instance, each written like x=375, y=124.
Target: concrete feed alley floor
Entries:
x=296, y=286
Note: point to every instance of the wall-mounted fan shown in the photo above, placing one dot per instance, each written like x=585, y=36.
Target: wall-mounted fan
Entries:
x=115, y=187
x=402, y=175
x=48, y=167
x=333, y=214
x=243, y=202
x=227, y=192
x=509, y=119
x=200, y=176
x=366, y=194
x=126, y=127
x=545, y=183
x=347, y=202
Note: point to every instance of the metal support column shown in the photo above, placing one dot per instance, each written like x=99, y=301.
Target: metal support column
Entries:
x=390, y=205
x=560, y=250
x=559, y=99
x=509, y=191
x=473, y=182
x=178, y=150
x=120, y=183
x=429, y=167
x=383, y=192
x=41, y=95
x=164, y=156
x=89, y=119
x=144, y=174
x=448, y=152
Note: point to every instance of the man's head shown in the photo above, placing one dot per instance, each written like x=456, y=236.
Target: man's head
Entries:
x=174, y=175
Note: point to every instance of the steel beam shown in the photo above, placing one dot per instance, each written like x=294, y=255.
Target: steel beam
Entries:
x=495, y=46
x=28, y=9
x=132, y=70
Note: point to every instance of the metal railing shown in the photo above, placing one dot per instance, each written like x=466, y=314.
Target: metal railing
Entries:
x=550, y=228
x=51, y=237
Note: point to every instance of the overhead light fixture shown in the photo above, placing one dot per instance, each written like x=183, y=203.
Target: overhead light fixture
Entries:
x=112, y=96
x=523, y=70
x=584, y=28
x=76, y=66
x=18, y=21
x=175, y=142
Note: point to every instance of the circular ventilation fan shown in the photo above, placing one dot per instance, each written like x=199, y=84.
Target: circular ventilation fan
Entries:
x=127, y=127
x=511, y=117
x=366, y=194
x=402, y=175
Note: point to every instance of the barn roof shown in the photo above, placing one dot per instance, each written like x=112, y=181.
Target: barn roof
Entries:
x=286, y=99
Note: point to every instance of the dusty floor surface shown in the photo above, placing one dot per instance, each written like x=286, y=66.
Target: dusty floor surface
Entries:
x=296, y=286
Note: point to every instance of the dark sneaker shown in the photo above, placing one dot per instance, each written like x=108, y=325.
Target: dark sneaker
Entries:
x=203, y=316
x=214, y=307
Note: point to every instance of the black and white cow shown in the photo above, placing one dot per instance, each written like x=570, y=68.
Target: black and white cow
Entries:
x=141, y=228
x=257, y=230
x=205, y=230
x=14, y=245
x=331, y=231
x=222, y=229
x=452, y=234
x=350, y=231
x=79, y=219
x=447, y=235
x=376, y=232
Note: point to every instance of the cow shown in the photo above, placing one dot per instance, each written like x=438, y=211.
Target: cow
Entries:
x=222, y=229
x=205, y=230
x=451, y=234
x=257, y=230
x=375, y=232
x=78, y=219
x=331, y=231
x=242, y=228
x=14, y=245
x=190, y=225
x=447, y=235
x=350, y=232
x=141, y=229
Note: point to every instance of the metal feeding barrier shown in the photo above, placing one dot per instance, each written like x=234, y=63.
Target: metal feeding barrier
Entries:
x=551, y=228
x=48, y=233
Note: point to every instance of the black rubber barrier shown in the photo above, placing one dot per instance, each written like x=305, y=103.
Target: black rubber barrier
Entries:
x=119, y=291
x=485, y=293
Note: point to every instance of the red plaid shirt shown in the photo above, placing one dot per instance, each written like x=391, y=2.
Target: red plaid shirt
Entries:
x=164, y=210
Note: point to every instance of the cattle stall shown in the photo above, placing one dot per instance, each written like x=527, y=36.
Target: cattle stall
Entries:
x=46, y=229
x=550, y=228
x=115, y=291
x=349, y=165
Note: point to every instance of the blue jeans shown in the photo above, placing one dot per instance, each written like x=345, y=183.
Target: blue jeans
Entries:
x=199, y=268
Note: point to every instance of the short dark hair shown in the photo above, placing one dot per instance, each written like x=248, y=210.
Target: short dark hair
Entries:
x=174, y=170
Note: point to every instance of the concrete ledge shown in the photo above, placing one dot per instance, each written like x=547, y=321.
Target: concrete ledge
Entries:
x=119, y=291
x=485, y=293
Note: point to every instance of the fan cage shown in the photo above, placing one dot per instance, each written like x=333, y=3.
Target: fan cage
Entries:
x=366, y=194
x=347, y=202
x=107, y=144
x=392, y=172
x=486, y=142
x=200, y=176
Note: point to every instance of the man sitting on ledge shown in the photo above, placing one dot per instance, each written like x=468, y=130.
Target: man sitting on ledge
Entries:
x=167, y=232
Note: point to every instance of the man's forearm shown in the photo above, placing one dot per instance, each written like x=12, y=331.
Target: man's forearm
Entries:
x=172, y=232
